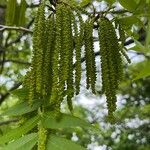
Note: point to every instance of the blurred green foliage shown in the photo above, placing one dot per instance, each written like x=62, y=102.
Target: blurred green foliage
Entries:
x=132, y=128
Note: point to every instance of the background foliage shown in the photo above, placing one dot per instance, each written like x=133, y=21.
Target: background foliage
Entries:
x=131, y=130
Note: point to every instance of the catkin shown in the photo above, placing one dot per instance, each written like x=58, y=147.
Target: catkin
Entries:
x=111, y=62
x=42, y=137
x=89, y=55
x=78, y=40
x=40, y=49
x=122, y=35
x=35, y=76
x=70, y=81
x=48, y=62
x=31, y=75
x=56, y=93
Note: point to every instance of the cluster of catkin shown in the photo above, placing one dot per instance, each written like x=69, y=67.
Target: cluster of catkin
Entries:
x=56, y=67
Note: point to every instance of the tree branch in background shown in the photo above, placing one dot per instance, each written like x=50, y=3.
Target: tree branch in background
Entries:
x=9, y=121
x=21, y=35
x=15, y=61
x=4, y=96
x=3, y=28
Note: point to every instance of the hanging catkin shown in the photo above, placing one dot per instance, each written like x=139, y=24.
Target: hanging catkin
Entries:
x=122, y=40
x=78, y=40
x=40, y=49
x=89, y=55
x=56, y=93
x=111, y=62
x=31, y=75
x=42, y=137
x=70, y=49
x=65, y=46
x=35, y=73
x=48, y=62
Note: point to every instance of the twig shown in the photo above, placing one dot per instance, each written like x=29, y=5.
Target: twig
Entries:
x=3, y=6
x=15, y=61
x=4, y=96
x=3, y=28
x=21, y=34
x=9, y=121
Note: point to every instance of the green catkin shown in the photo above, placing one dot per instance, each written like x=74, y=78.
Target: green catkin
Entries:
x=65, y=46
x=32, y=88
x=111, y=63
x=35, y=85
x=92, y=59
x=55, y=94
x=47, y=72
x=32, y=72
x=70, y=87
x=29, y=84
x=40, y=47
x=42, y=137
x=78, y=39
x=26, y=81
x=122, y=37
x=87, y=51
x=89, y=55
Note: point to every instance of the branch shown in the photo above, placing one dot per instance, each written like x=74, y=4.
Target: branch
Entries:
x=9, y=121
x=15, y=61
x=4, y=96
x=21, y=34
x=2, y=6
x=3, y=28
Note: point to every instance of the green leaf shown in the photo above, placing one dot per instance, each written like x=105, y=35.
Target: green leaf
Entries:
x=85, y=3
x=127, y=22
x=139, y=47
x=58, y=143
x=3, y=2
x=26, y=142
x=143, y=8
x=128, y=4
x=141, y=70
x=10, y=12
x=65, y=121
x=21, y=109
x=21, y=93
x=145, y=110
x=110, y=1
x=17, y=132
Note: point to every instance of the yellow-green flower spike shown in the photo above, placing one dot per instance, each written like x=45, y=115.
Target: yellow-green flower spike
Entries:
x=42, y=137
x=66, y=41
x=32, y=73
x=56, y=93
x=89, y=55
x=78, y=42
x=48, y=62
x=70, y=49
x=40, y=48
x=87, y=51
x=111, y=62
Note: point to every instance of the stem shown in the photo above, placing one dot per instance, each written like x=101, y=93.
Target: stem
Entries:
x=3, y=28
